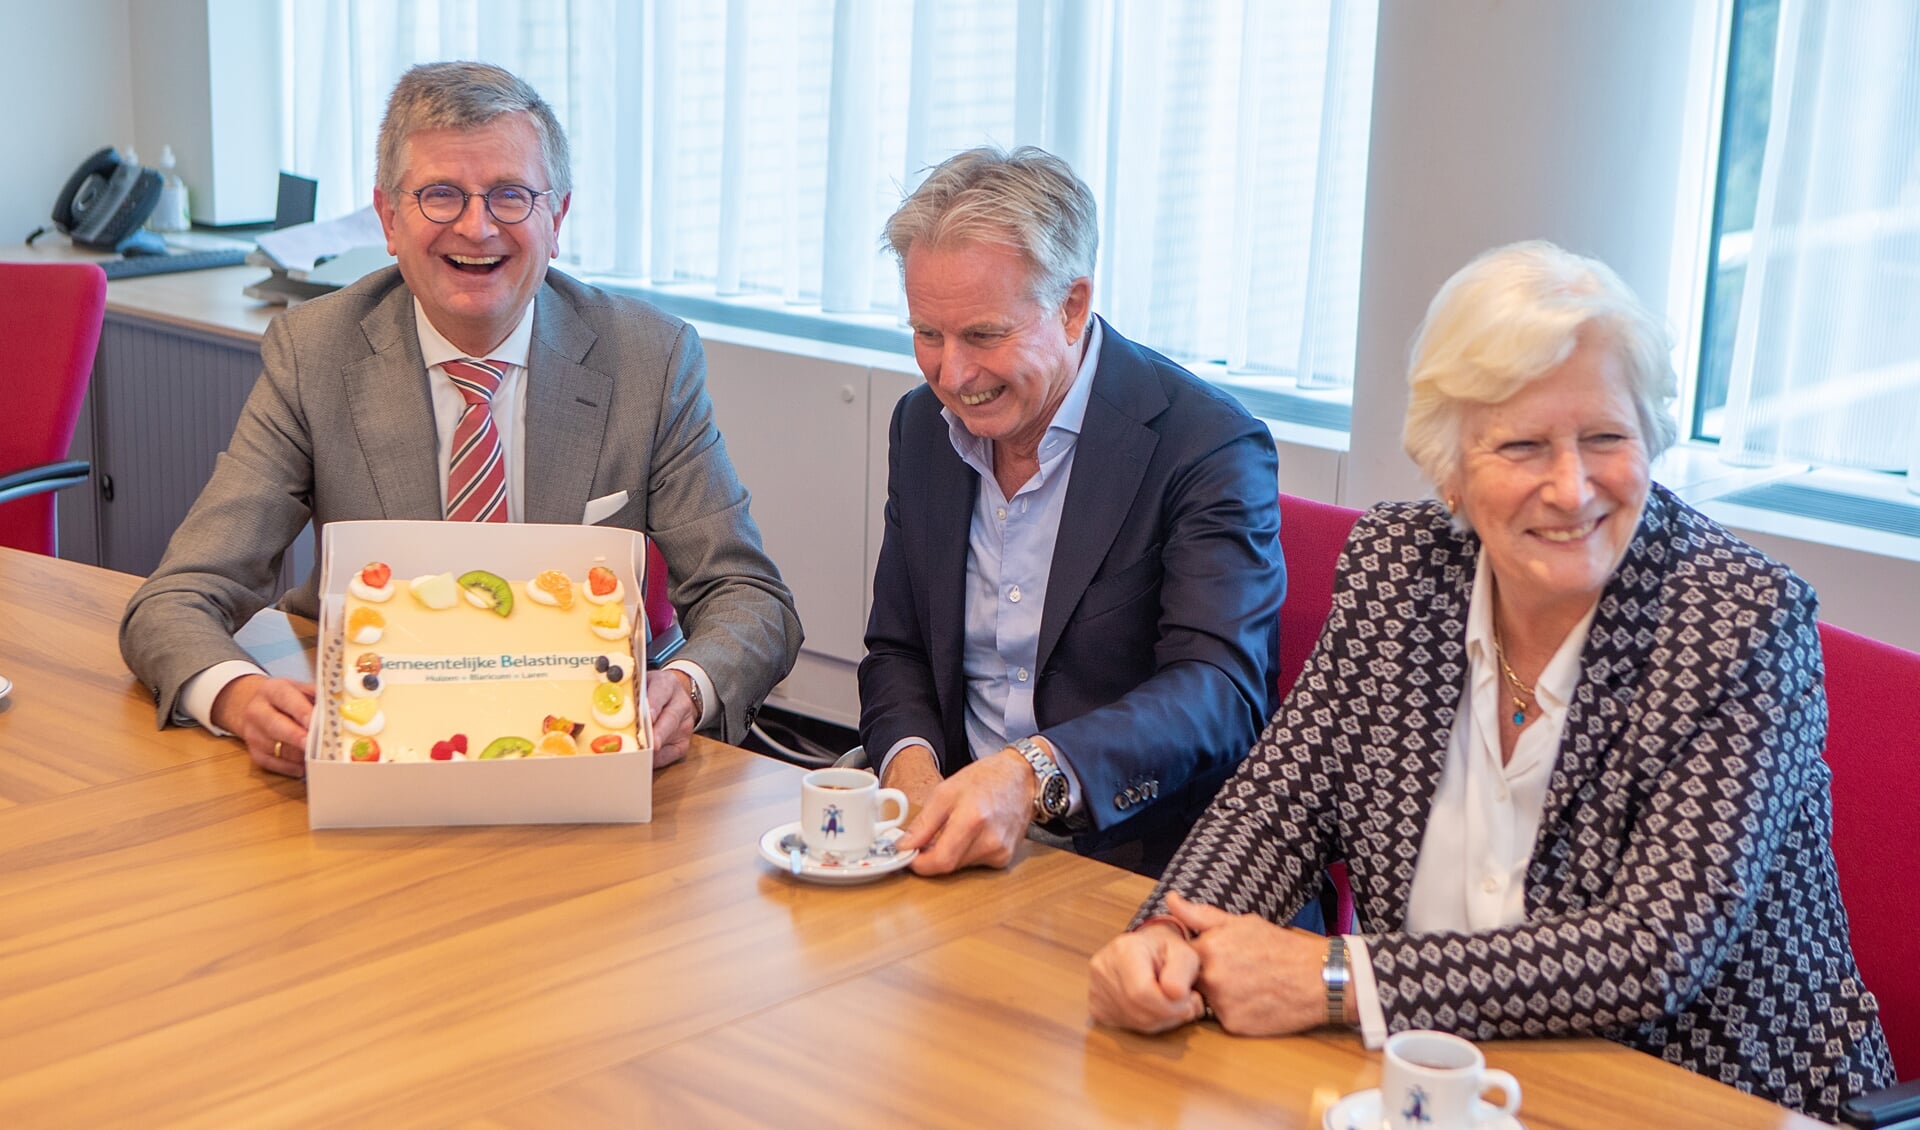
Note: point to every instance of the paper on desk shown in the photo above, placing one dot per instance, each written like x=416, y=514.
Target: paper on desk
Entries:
x=205, y=241
x=297, y=249
x=349, y=266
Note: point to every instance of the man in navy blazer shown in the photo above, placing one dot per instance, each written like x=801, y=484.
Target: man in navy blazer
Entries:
x=1074, y=621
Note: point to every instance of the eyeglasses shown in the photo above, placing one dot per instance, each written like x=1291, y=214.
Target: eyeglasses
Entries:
x=507, y=203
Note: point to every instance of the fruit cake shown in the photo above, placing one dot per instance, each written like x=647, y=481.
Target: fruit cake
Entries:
x=478, y=667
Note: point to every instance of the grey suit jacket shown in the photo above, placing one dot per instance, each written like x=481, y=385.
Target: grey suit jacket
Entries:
x=1682, y=897
x=340, y=427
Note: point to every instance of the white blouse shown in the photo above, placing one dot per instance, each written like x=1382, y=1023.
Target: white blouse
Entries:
x=1472, y=871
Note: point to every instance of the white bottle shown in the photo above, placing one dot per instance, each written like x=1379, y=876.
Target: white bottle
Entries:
x=171, y=213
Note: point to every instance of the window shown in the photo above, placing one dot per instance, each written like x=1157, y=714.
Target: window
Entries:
x=754, y=148
x=1811, y=348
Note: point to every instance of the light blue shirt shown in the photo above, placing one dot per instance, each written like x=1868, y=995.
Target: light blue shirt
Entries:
x=1010, y=544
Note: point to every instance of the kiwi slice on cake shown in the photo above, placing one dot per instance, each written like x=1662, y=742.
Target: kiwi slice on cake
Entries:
x=488, y=590
x=506, y=747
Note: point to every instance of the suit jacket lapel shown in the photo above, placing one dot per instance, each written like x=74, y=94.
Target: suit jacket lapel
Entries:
x=1101, y=495
x=1406, y=769
x=567, y=407
x=392, y=412
x=948, y=497
x=1617, y=650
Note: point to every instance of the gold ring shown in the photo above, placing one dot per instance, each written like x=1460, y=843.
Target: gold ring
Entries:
x=276, y=749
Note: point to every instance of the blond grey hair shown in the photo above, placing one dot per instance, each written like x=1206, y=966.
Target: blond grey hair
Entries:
x=1029, y=201
x=1513, y=315
x=466, y=96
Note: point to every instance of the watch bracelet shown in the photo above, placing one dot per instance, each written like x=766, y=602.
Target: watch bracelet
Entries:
x=1337, y=977
x=1035, y=753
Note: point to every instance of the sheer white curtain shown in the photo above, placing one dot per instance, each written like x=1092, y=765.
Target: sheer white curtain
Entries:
x=757, y=146
x=1826, y=356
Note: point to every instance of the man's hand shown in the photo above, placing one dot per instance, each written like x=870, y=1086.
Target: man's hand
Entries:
x=977, y=817
x=271, y=716
x=1146, y=981
x=1261, y=979
x=915, y=772
x=670, y=704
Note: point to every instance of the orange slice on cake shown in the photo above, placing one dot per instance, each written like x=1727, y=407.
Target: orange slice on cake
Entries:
x=557, y=585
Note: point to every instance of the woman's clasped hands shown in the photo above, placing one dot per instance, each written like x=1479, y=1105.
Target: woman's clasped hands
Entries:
x=1258, y=979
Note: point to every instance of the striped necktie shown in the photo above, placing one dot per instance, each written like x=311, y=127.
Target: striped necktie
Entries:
x=476, y=472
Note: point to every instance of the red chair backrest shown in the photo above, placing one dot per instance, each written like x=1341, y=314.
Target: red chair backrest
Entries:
x=659, y=608
x=50, y=316
x=1312, y=534
x=1873, y=748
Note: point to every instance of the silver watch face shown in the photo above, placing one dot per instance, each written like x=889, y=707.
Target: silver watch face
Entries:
x=1054, y=796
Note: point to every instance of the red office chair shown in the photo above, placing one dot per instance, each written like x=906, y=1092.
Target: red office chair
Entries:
x=1873, y=748
x=664, y=636
x=1312, y=534
x=50, y=321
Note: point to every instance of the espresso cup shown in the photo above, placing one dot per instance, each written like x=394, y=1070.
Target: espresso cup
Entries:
x=1434, y=1081
x=840, y=813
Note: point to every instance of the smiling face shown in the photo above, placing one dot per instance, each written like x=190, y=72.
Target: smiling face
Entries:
x=997, y=357
x=1553, y=480
x=474, y=276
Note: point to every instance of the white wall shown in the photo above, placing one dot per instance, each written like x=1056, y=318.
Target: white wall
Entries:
x=68, y=92
x=207, y=73
x=1494, y=121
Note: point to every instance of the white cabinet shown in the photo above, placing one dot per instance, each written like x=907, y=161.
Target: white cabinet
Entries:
x=808, y=436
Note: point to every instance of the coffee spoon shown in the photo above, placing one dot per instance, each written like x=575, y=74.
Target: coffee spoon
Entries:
x=796, y=849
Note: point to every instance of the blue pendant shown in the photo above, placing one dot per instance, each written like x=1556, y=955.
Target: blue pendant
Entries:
x=1519, y=717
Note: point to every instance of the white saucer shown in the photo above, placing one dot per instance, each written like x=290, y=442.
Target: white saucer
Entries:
x=1361, y=1111
x=878, y=863
x=6, y=687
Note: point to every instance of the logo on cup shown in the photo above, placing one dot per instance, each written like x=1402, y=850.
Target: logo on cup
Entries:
x=1416, y=1106
x=830, y=823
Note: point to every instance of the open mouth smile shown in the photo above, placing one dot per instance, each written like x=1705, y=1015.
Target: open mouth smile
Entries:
x=475, y=264
x=976, y=399
x=1569, y=534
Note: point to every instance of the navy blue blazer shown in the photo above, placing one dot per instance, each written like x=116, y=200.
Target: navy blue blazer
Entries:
x=1159, y=637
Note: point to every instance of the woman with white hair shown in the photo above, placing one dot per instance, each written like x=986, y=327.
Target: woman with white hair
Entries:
x=1564, y=730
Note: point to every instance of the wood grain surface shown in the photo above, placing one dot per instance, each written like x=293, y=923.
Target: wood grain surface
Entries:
x=177, y=949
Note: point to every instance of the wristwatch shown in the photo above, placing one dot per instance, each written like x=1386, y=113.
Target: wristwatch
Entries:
x=693, y=695
x=1336, y=976
x=1051, y=800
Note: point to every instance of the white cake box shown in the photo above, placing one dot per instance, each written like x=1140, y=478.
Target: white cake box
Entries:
x=607, y=788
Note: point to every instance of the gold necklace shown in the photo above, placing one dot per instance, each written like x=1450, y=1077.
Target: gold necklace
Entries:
x=1513, y=680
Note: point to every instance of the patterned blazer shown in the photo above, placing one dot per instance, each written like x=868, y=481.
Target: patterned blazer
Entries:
x=1681, y=899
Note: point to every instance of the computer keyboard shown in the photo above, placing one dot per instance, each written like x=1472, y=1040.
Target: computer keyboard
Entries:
x=138, y=265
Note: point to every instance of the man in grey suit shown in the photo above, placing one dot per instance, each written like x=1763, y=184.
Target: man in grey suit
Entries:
x=594, y=409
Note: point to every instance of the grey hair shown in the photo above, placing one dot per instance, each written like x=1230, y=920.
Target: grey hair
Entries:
x=1513, y=315
x=466, y=96
x=1029, y=201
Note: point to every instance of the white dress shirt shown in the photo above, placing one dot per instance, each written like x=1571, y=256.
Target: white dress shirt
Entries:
x=509, y=410
x=1472, y=871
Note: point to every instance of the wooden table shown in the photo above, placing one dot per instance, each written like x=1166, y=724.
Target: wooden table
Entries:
x=176, y=948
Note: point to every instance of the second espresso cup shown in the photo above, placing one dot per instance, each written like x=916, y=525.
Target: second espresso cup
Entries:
x=1433, y=1081
x=840, y=813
